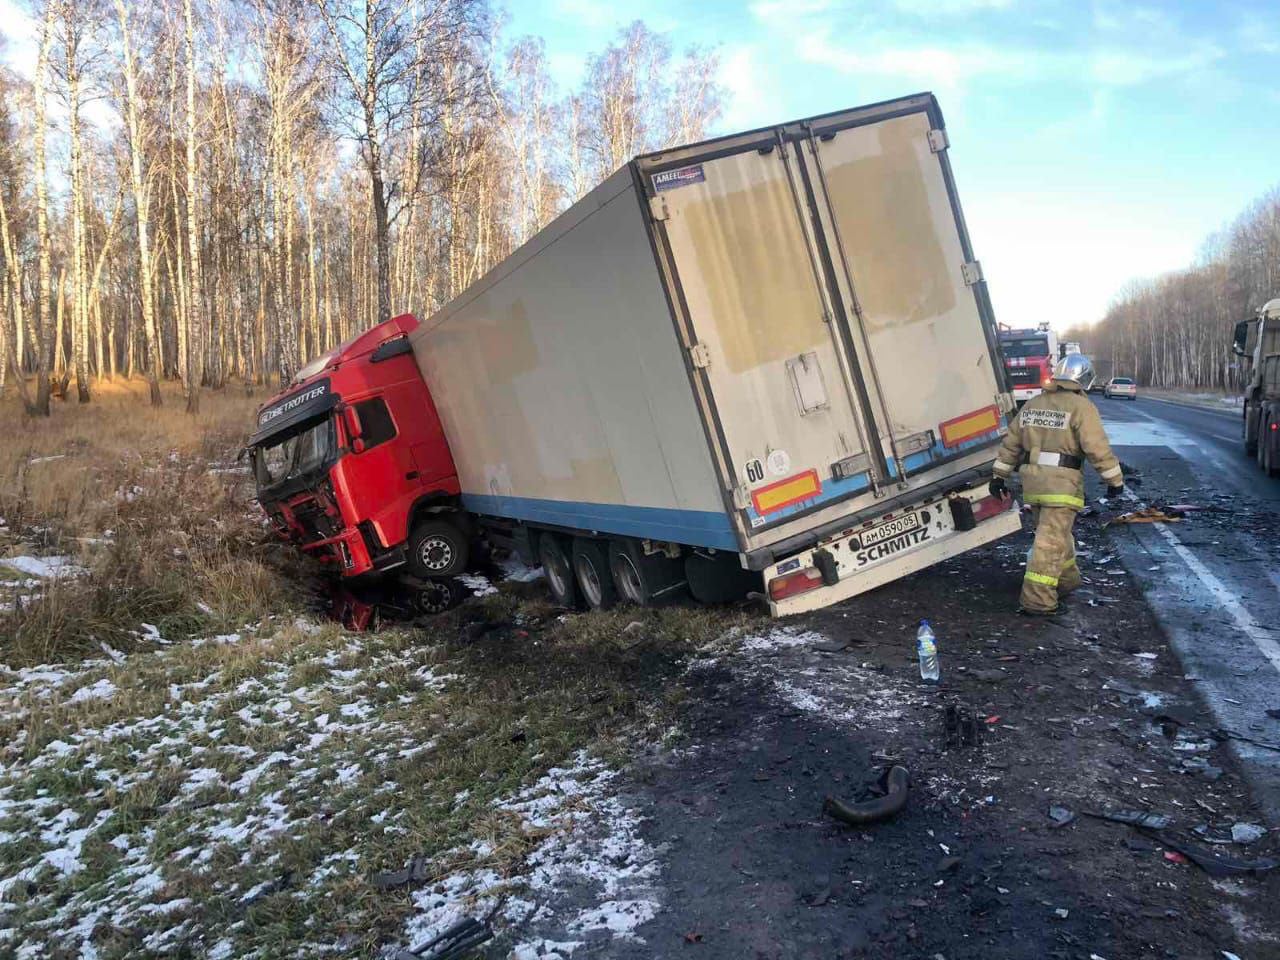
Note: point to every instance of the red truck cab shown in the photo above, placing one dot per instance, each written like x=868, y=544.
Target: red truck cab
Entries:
x=352, y=464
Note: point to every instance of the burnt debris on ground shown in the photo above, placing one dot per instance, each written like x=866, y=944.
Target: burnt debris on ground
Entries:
x=1086, y=711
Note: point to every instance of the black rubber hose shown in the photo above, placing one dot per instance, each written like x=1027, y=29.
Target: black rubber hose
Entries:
x=881, y=808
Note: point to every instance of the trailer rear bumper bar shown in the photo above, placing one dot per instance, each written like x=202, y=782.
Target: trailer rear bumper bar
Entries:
x=855, y=563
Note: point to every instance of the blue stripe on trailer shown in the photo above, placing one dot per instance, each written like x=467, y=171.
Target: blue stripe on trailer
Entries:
x=697, y=528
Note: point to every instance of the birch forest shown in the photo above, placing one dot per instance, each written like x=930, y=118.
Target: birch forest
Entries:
x=213, y=191
x=1175, y=330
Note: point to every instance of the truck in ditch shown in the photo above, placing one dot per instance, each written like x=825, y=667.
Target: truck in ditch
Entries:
x=1257, y=343
x=766, y=362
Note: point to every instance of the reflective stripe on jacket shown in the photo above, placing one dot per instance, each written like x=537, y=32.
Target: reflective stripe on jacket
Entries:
x=1060, y=420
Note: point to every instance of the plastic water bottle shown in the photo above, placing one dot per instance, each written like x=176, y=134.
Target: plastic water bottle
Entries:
x=927, y=651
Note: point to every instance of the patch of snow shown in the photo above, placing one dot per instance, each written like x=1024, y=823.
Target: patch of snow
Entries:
x=619, y=917
x=515, y=569
x=102, y=690
x=49, y=568
x=478, y=584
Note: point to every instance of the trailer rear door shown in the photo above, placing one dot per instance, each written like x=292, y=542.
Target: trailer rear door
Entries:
x=883, y=193
x=784, y=396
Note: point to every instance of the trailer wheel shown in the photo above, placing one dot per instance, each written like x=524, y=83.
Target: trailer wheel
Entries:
x=438, y=548
x=555, y=563
x=645, y=580
x=591, y=568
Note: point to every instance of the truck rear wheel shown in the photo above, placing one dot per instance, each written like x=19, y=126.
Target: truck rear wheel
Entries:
x=591, y=568
x=644, y=579
x=555, y=563
x=438, y=548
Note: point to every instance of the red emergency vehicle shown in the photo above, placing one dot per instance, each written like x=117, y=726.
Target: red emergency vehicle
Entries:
x=353, y=466
x=1029, y=356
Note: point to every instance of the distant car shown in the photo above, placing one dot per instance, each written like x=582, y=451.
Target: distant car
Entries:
x=1120, y=387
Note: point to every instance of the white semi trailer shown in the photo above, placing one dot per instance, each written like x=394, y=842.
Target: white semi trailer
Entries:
x=769, y=359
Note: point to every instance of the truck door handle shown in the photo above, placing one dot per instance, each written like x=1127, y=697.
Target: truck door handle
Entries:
x=411, y=475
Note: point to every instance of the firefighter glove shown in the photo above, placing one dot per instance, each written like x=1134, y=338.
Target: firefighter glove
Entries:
x=998, y=488
x=1114, y=493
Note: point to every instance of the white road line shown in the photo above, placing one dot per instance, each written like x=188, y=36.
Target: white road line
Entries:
x=1248, y=625
x=1218, y=436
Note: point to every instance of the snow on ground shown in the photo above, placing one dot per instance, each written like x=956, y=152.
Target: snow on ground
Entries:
x=191, y=784
x=593, y=874
x=839, y=690
x=513, y=568
x=178, y=787
x=49, y=568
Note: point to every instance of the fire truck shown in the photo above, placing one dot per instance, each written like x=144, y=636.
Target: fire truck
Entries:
x=1029, y=356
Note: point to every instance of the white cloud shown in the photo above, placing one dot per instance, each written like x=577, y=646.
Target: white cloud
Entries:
x=1053, y=257
x=751, y=101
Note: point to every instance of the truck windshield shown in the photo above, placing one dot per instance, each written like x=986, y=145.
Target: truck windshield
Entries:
x=1032, y=347
x=294, y=456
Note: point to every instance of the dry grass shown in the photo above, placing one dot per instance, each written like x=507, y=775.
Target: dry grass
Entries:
x=152, y=502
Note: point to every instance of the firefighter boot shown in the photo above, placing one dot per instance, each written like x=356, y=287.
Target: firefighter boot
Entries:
x=1054, y=547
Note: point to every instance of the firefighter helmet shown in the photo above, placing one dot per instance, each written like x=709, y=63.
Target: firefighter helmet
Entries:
x=1075, y=368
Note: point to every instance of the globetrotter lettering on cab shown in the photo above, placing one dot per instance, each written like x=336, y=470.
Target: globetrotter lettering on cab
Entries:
x=280, y=409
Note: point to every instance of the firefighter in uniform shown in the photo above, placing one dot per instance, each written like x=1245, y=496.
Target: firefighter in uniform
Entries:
x=1048, y=442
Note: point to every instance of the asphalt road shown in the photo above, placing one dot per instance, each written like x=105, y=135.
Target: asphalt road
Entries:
x=1213, y=580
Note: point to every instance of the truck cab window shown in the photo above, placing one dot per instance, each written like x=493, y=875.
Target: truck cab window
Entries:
x=376, y=425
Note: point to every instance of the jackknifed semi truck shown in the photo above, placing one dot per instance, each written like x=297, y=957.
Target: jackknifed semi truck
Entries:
x=762, y=363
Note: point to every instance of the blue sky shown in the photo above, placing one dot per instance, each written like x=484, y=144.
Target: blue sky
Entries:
x=1092, y=142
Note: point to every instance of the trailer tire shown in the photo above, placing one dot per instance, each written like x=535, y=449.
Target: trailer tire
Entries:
x=555, y=561
x=1250, y=449
x=594, y=577
x=438, y=548
x=646, y=580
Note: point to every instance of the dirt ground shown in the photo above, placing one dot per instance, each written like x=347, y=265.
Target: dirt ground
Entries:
x=1088, y=710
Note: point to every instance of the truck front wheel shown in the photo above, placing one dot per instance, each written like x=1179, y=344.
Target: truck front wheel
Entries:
x=438, y=548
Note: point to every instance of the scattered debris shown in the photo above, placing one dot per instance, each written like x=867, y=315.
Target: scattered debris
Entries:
x=1174, y=857
x=1147, y=515
x=1135, y=818
x=1060, y=816
x=457, y=941
x=1245, y=833
x=959, y=727
x=888, y=797
x=414, y=872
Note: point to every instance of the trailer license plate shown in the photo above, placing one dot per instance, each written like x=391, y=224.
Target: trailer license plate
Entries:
x=889, y=529
x=896, y=536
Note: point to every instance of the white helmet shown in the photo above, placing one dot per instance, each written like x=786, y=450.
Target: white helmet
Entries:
x=1075, y=368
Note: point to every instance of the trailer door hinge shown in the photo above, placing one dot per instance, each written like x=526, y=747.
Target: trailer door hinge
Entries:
x=972, y=272
x=938, y=141
x=700, y=356
x=742, y=497
x=658, y=208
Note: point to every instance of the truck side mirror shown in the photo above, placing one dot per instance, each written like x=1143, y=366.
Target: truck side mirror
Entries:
x=1240, y=337
x=351, y=420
